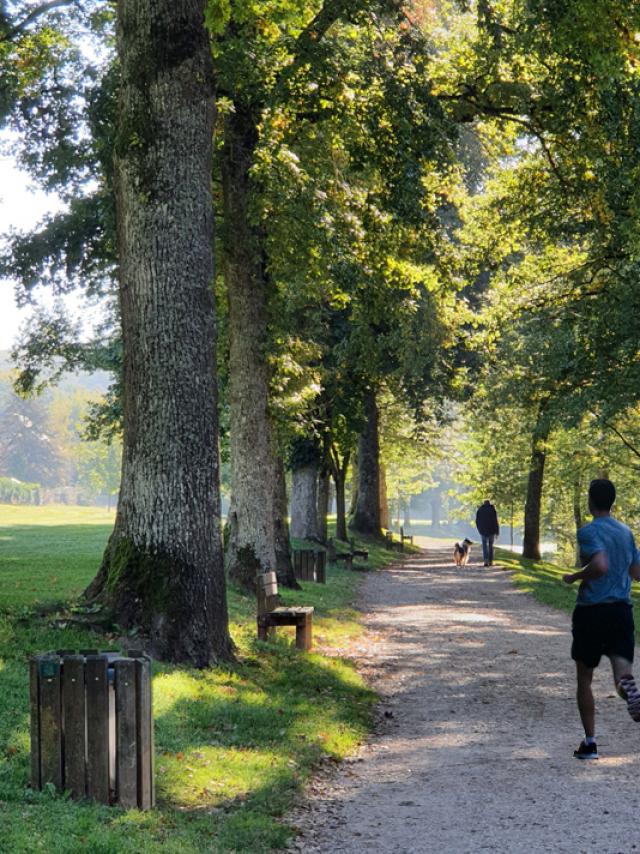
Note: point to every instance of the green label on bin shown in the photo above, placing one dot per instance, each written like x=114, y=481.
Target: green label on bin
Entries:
x=48, y=669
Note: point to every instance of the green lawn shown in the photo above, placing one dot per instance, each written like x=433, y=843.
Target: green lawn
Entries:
x=233, y=745
x=543, y=580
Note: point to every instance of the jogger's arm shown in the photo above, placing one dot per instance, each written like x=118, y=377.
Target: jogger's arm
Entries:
x=597, y=567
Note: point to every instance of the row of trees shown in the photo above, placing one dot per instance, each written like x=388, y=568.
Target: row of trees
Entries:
x=43, y=444
x=332, y=161
x=554, y=231
x=373, y=178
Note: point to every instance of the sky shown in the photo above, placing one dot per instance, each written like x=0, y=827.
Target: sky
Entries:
x=21, y=207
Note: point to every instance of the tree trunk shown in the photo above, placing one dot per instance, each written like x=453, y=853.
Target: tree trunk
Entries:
x=304, y=503
x=252, y=548
x=284, y=566
x=366, y=519
x=436, y=507
x=406, y=518
x=533, y=504
x=384, y=502
x=577, y=513
x=324, y=489
x=341, y=509
x=353, y=498
x=339, y=473
x=162, y=571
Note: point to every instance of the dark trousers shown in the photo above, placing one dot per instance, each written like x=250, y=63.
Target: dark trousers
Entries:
x=487, y=548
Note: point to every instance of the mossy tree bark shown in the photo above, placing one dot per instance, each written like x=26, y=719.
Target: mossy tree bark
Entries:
x=163, y=569
x=252, y=547
x=533, y=503
x=366, y=517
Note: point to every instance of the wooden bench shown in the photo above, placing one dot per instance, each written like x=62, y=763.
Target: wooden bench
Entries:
x=310, y=565
x=363, y=553
x=393, y=544
x=272, y=614
x=346, y=557
x=405, y=538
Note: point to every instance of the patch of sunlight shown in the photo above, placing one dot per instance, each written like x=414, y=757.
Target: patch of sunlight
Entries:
x=207, y=776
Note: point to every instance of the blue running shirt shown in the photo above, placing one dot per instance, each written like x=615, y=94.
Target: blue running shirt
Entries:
x=606, y=534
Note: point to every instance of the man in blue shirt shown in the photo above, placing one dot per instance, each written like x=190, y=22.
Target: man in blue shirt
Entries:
x=602, y=622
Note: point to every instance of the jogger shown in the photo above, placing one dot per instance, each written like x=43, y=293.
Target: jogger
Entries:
x=602, y=622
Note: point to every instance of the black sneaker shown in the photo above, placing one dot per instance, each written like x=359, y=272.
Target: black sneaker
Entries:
x=586, y=751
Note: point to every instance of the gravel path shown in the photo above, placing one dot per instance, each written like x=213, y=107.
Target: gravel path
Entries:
x=473, y=748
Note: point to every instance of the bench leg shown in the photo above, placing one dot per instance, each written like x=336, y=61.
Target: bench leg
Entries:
x=304, y=630
x=265, y=631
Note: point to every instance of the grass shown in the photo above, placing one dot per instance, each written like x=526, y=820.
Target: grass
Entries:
x=233, y=745
x=543, y=580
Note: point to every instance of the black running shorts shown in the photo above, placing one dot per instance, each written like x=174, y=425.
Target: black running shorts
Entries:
x=599, y=630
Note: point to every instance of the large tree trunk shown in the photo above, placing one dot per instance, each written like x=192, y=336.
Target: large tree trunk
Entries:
x=304, y=503
x=324, y=491
x=533, y=504
x=284, y=565
x=366, y=518
x=252, y=547
x=163, y=569
x=384, y=501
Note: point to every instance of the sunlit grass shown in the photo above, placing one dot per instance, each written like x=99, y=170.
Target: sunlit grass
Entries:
x=543, y=580
x=233, y=745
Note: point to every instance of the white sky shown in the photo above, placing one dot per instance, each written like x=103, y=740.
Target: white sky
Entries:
x=21, y=207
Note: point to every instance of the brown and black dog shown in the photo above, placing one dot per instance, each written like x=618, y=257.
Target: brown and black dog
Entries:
x=461, y=552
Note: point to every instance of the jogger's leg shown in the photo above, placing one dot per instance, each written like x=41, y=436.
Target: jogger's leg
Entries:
x=626, y=685
x=620, y=667
x=584, y=695
x=491, y=539
x=485, y=549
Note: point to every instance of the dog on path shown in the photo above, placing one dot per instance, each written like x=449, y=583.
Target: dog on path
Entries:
x=461, y=552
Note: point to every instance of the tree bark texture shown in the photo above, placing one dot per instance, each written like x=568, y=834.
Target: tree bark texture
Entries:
x=324, y=491
x=284, y=565
x=163, y=567
x=577, y=513
x=339, y=469
x=304, y=503
x=385, y=520
x=252, y=549
x=366, y=518
x=533, y=503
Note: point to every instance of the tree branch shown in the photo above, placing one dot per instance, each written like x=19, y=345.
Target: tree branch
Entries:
x=624, y=441
x=33, y=15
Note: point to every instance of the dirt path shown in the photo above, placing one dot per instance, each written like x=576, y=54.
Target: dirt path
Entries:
x=473, y=750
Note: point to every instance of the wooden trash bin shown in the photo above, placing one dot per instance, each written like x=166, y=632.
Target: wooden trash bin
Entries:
x=92, y=726
x=310, y=565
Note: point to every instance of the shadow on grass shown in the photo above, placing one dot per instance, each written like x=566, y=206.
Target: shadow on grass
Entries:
x=232, y=745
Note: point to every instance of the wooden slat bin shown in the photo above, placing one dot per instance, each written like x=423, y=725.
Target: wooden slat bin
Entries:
x=272, y=614
x=310, y=565
x=92, y=726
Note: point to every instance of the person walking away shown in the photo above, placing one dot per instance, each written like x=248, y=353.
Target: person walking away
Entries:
x=602, y=622
x=488, y=528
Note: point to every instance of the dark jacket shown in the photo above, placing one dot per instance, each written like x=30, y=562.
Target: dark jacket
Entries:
x=487, y=520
